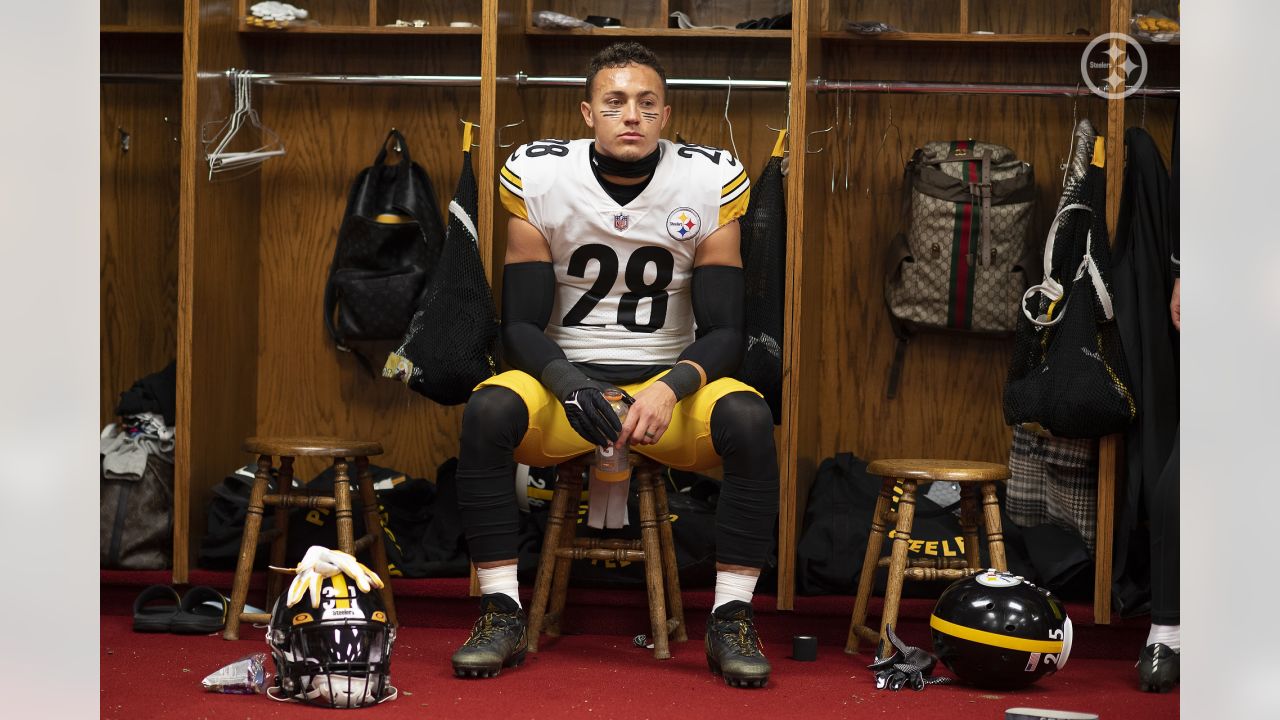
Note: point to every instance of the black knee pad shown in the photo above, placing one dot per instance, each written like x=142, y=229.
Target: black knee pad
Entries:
x=494, y=417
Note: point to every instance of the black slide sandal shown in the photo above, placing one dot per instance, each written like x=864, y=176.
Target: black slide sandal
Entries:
x=194, y=617
x=155, y=608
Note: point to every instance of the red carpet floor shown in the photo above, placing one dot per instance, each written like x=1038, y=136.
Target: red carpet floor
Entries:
x=600, y=674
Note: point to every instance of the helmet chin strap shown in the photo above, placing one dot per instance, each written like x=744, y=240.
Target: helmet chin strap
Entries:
x=310, y=694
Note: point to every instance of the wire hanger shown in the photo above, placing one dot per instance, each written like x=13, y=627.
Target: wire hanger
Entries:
x=505, y=127
x=729, y=93
x=835, y=159
x=1071, y=149
x=220, y=159
x=848, y=141
x=467, y=126
x=884, y=137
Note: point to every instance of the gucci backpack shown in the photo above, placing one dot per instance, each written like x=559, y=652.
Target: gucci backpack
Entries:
x=959, y=265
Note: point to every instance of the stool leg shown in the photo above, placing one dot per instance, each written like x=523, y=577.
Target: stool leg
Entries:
x=995, y=533
x=248, y=547
x=671, y=571
x=875, y=541
x=653, y=566
x=547, y=563
x=275, y=581
x=342, y=506
x=969, y=526
x=563, y=565
x=897, y=561
x=373, y=526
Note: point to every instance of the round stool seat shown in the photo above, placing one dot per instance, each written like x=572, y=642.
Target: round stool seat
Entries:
x=940, y=470
x=311, y=447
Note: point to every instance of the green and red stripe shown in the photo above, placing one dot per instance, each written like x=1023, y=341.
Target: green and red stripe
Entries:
x=968, y=222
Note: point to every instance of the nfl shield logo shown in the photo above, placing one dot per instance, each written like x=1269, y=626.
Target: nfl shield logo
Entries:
x=621, y=221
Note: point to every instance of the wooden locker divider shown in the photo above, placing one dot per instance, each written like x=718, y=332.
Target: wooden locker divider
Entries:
x=217, y=287
x=801, y=347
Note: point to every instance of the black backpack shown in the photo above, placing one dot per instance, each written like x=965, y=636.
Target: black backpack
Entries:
x=388, y=245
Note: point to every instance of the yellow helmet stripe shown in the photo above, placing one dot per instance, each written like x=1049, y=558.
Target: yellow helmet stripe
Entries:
x=343, y=595
x=994, y=639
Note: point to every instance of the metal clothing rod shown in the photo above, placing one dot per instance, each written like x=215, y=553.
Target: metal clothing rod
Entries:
x=344, y=79
x=522, y=80
x=944, y=88
x=140, y=77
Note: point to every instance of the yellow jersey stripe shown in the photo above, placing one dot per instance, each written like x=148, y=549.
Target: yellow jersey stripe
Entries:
x=994, y=639
x=734, y=183
x=513, y=178
x=734, y=209
x=512, y=202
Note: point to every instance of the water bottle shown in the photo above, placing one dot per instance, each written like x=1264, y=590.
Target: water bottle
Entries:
x=612, y=464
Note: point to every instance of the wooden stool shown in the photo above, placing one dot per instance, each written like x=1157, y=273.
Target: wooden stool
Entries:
x=973, y=477
x=561, y=546
x=287, y=449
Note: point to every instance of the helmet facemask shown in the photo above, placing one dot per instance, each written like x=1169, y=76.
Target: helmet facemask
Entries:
x=342, y=663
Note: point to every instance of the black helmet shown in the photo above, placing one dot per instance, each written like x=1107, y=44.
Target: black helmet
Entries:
x=999, y=631
x=336, y=653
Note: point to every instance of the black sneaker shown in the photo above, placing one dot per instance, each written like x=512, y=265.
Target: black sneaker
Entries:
x=1157, y=668
x=498, y=639
x=733, y=647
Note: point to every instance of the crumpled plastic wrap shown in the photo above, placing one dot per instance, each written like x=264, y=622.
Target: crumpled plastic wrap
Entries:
x=558, y=21
x=1155, y=27
x=869, y=27
x=246, y=676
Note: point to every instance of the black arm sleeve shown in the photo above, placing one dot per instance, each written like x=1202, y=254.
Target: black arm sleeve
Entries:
x=719, y=293
x=528, y=294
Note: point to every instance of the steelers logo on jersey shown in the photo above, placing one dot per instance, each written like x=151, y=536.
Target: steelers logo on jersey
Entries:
x=683, y=224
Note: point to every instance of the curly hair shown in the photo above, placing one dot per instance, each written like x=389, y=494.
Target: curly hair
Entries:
x=622, y=54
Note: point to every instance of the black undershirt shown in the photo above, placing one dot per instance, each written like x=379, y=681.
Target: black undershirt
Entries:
x=621, y=194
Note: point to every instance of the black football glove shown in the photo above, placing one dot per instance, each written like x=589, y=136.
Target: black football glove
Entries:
x=907, y=667
x=592, y=416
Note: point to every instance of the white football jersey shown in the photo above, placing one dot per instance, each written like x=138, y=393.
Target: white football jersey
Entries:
x=623, y=272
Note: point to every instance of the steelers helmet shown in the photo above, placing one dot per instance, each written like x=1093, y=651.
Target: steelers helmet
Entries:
x=996, y=630
x=334, y=654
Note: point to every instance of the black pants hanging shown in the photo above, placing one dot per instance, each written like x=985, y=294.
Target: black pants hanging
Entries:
x=1163, y=508
x=495, y=420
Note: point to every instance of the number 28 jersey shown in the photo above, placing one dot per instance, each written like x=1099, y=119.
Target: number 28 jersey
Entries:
x=623, y=272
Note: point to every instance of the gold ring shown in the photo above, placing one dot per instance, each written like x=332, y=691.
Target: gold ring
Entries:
x=648, y=434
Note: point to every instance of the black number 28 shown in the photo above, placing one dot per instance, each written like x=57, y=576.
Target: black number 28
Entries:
x=558, y=148
x=637, y=288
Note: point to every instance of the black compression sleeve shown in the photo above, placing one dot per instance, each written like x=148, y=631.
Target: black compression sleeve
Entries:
x=719, y=292
x=528, y=294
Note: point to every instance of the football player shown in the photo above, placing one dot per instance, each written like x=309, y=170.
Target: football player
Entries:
x=620, y=245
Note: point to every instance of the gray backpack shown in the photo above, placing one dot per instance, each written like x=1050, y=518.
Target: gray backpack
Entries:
x=960, y=264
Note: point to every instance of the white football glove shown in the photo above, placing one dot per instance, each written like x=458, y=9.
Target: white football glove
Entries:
x=320, y=563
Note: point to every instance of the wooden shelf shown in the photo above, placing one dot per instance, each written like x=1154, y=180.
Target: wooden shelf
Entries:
x=661, y=33
x=359, y=30
x=141, y=29
x=909, y=37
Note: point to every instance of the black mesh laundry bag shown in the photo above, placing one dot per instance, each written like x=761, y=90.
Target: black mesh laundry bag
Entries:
x=764, y=249
x=1068, y=372
x=451, y=344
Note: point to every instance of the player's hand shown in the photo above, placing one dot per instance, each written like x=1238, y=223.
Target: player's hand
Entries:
x=592, y=416
x=649, y=416
x=1175, y=304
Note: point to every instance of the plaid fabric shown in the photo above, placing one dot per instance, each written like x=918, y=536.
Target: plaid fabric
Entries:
x=1054, y=481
